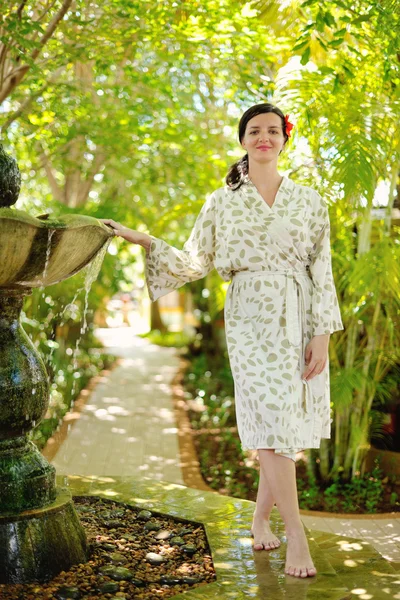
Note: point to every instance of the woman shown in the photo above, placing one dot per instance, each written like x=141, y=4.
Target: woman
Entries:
x=270, y=236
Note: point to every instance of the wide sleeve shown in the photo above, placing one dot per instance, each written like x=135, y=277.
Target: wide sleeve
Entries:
x=168, y=268
x=326, y=315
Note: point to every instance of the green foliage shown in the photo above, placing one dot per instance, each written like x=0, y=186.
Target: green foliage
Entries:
x=172, y=339
x=308, y=492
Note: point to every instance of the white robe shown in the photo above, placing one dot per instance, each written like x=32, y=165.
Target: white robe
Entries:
x=281, y=294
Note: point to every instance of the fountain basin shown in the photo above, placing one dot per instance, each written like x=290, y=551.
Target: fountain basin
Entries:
x=39, y=252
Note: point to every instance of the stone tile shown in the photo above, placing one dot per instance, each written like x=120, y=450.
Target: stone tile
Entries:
x=317, y=523
x=347, y=528
x=390, y=525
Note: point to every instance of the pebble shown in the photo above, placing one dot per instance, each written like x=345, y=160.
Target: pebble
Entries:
x=116, y=513
x=107, y=546
x=191, y=580
x=66, y=592
x=119, y=568
x=184, y=531
x=154, y=559
x=152, y=526
x=113, y=523
x=117, y=573
x=144, y=515
x=109, y=587
x=189, y=549
x=116, y=558
x=164, y=534
x=129, y=538
x=176, y=541
x=85, y=509
x=170, y=580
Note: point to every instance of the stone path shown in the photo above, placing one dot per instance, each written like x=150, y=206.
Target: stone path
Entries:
x=128, y=428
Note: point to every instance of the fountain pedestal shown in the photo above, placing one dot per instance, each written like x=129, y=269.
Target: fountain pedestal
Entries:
x=40, y=532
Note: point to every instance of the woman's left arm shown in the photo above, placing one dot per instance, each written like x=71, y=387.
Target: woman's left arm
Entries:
x=326, y=317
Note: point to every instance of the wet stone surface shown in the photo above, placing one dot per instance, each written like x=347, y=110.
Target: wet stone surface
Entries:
x=133, y=553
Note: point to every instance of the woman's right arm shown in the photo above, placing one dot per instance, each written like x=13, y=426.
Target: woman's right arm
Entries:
x=167, y=268
x=131, y=235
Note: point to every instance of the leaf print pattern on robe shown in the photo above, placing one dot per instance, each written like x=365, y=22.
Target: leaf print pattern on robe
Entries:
x=325, y=307
x=281, y=293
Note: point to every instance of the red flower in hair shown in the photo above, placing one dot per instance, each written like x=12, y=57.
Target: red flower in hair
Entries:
x=289, y=125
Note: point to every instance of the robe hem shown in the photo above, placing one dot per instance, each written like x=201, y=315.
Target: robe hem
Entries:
x=308, y=446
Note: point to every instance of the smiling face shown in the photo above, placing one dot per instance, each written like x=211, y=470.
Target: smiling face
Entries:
x=263, y=138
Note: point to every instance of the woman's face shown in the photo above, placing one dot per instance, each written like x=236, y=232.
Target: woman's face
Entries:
x=263, y=138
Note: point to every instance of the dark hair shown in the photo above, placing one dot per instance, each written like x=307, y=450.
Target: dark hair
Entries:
x=238, y=171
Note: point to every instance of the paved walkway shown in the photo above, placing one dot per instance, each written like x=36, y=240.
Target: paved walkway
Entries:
x=128, y=427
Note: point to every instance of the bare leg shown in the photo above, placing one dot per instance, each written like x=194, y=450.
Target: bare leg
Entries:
x=280, y=473
x=263, y=536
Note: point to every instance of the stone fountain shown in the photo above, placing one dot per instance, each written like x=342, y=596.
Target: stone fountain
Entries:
x=40, y=533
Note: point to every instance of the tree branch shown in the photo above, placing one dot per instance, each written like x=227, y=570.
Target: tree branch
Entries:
x=15, y=76
x=51, y=27
x=55, y=188
x=86, y=186
x=28, y=101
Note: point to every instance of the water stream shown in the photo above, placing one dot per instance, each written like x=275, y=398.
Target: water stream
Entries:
x=50, y=234
x=91, y=272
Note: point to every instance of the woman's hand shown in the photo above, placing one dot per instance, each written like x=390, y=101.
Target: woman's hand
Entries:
x=316, y=356
x=131, y=235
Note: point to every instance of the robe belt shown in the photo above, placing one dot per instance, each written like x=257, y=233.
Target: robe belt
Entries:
x=295, y=327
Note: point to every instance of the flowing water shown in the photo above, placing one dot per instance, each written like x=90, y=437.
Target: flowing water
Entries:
x=91, y=272
x=50, y=234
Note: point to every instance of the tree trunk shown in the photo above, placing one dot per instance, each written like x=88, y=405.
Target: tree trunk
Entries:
x=156, y=321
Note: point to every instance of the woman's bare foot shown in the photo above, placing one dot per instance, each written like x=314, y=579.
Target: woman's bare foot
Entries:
x=298, y=559
x=264, y=539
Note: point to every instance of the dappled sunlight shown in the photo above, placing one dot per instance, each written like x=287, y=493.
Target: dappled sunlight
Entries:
x=245, y=541
x=102, y=414
x=346, y=546
x=110, y=399
x=394, y=576
x=143, y=467
x=90, y=478
x=350, y=563
x=223, y=565
x=119, y=411
x=109, y=493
